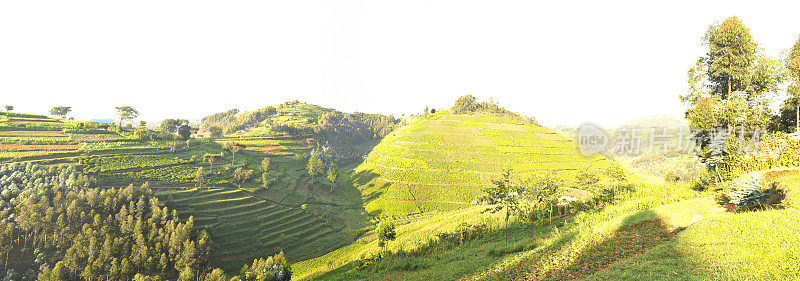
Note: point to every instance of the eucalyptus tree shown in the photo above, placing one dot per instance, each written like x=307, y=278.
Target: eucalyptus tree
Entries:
x=793, y=65
x=126, y=113
x=60, y=111
x=729, y=90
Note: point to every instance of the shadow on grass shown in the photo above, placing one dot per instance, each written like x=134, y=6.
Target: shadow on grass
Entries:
x=570, y=259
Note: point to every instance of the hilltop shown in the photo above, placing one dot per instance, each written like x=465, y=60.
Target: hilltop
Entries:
x=293, y=113
x=441, y=161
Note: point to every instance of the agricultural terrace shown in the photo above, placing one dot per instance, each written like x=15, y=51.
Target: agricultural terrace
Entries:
x=26, y=137
x=244, y=227
x=443, y=161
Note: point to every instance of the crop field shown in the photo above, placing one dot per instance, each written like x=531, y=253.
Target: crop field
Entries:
x=25, y=137
x=443, y=161
x=243, y=226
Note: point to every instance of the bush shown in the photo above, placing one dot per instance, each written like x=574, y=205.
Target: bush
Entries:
x=386, y=233
x=750, y=193
x=586, y=178
x=616, y=173
x=671, y=176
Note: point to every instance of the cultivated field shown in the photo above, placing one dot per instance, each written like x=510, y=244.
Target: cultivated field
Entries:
x=443, y=161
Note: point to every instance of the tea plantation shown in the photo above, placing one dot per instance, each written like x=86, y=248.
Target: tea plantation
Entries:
x=443, y=161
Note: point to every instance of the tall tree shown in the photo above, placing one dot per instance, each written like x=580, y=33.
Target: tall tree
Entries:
x=126, y=113
x=793, y=65
x=60, y=111
x=333, y=175
x=728, y=89
x=233, y=148
x=315, y=166
x=9, y=108
x=731, y=52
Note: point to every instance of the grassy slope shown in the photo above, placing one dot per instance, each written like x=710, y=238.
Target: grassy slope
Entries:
x=760, y=245
x=495, y=258
x=660, y=232
x=442, y=161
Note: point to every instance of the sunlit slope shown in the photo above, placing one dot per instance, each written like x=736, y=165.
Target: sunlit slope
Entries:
x=443, y=161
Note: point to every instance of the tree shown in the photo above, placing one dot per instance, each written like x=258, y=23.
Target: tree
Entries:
x=386, y=232
x=793, y=65
x=200, y=176
x=184, y=132
x=731, y=53
x=505, y=194
x=211, y=158
x=241, y=175
x=465, y=104
x=187, y=274
x=126, y=113
x=9, y=108
x=60, y=111
x=333, y=175
x=216, y=275
x=171, y=125
x=215, y=131
x=233, y=148
x=426, y=111
x=728, y=89
x=315, y=166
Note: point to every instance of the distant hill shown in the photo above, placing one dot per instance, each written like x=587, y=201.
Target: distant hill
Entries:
x=443, y=161
x=293, y=113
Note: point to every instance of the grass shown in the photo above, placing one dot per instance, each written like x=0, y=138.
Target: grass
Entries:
x=519, y=251
x=437, y=161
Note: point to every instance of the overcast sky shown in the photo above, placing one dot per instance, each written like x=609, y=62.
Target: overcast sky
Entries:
x=564, y=62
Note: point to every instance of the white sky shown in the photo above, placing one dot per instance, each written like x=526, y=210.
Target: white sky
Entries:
x=564, y=62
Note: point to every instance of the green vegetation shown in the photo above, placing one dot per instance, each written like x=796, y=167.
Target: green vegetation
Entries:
x=68, y=228
x=442, y=161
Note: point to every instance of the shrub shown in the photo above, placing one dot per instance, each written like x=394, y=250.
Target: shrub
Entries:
x=671, y=176
x=616, y=173
x=586, y=178
x=750, y=193
x=385, y=233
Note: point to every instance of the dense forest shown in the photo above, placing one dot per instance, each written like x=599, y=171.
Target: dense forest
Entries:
x=76, y=231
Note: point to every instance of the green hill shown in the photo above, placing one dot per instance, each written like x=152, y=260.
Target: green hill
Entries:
x=442, y=161
x=294, y=113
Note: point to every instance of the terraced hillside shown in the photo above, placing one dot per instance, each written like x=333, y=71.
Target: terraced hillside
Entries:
x=244, y=226
x=442, y=161
x=26, y=137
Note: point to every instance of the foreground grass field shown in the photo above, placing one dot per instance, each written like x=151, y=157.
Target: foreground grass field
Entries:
x=442, y=161
x=655, y=232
